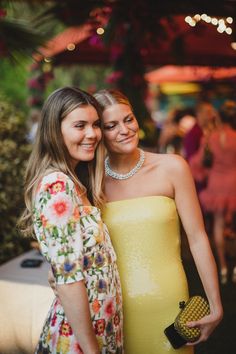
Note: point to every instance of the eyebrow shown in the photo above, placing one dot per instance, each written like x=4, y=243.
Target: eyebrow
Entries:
x=85, y=121
x=128, y=115
x=113, y=121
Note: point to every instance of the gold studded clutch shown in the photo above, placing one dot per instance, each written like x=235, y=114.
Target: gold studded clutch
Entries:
x=192, y=310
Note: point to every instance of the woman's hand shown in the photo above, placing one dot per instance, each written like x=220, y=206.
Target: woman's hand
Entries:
x=52, y=282
x=207, y=324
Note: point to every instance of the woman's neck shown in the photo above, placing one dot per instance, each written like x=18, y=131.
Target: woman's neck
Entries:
x=123, y=163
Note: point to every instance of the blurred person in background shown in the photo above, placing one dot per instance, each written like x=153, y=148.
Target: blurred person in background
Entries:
x=206, y=117
x=219, y=196
x=176, y=125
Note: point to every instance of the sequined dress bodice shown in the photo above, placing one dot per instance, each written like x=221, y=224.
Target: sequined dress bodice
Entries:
x=146, y=237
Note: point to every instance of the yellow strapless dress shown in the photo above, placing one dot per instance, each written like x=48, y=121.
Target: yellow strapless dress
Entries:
x=146, y=237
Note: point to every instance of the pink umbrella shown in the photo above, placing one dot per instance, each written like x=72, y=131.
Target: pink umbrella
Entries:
x=171, y=73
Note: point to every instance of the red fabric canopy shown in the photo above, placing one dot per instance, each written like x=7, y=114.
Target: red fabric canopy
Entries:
x=201, y=45
x=60, y=43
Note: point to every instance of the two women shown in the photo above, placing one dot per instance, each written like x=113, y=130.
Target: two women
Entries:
x=146, y=194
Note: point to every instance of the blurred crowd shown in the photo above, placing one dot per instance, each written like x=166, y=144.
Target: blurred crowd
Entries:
x=206, y=138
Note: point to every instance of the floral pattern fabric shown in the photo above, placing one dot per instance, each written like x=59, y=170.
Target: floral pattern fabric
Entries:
x=75, y=241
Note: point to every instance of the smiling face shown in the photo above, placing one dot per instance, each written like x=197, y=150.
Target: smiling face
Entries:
x=81, y=133
x=120, y=129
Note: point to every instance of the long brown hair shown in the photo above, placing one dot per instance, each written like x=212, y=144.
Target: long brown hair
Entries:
x=50, y=153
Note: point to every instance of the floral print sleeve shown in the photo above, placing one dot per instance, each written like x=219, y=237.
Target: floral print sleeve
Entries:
x=58, y=228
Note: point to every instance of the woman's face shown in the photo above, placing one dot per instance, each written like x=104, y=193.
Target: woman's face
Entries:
x=120, y=129
x=81, y=133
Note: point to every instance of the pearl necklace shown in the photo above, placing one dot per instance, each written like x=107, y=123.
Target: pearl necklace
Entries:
x=115, y=175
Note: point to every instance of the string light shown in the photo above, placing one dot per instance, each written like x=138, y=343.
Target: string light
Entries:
x=188, y=19
x=47, y=60
x=229, y=20
x=214, y=21
x=221, y=23
x=228, y=30
x=197, y=17
x=100, y=31
x=192, y=23
x=208, y=19
x=71, y=46
x=203, y=17
x=233, y=45
x=220, y=29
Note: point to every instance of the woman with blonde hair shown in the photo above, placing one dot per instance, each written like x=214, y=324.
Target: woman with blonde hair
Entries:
x=87, y=315
x=146, y=196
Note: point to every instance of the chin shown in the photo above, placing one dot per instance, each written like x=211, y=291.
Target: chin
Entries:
x=132, y=145
x=127, y=149
x=86, y=157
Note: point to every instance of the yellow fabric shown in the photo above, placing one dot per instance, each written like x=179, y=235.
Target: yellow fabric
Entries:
x=146, y=238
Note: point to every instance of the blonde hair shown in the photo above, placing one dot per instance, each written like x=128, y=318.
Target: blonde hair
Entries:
x=50, y=153
x=108, y=98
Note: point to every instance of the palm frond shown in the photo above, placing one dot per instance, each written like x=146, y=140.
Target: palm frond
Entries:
x=71, y=12
x=18, y=39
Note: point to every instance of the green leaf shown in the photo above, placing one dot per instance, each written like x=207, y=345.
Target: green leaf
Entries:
x=81, y=222
x=55, y=233
x=20, y=39
x=93, y=218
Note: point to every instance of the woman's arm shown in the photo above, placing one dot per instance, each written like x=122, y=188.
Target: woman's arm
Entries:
x=190, y=214
x=60, y=235
x=52, y=282
x=76, y=293
x=74, y=300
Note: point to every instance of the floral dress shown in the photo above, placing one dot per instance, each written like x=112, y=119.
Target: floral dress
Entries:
x=75, y=241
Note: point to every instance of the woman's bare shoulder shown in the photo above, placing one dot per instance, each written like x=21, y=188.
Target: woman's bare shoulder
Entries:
x=167, y=161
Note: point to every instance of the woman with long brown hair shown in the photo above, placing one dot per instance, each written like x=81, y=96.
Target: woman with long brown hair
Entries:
x=86, y=317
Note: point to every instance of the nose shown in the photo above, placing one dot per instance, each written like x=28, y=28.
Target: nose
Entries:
x=123, y=128
x=91, y=132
